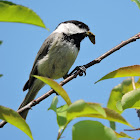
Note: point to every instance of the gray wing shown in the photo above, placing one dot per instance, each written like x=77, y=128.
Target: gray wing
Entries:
x=41, y=53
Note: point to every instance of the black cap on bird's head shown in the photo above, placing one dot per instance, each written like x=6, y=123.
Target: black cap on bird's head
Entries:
x=72, y=27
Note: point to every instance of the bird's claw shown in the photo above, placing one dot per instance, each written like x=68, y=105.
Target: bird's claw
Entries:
x=81, y=68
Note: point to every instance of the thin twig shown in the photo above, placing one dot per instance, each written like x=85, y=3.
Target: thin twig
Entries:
x=60, y=133
x=122, y=44
x=97, y=60
x=133, y=82
x=132, y=129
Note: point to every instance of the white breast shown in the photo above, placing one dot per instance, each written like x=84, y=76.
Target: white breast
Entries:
x=58, y=61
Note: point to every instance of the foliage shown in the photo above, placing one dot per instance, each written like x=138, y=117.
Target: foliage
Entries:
x=54, y=85
x=15, y=119
x=11, y=12
x=122, y=96
x=118, y=93
x=65, y=114
x=137, y=2
x=123, y=72
x=83, y=130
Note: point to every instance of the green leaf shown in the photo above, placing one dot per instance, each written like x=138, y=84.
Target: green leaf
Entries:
x=60, y=113
x=83, y=109
x=131, y=99
x=123, y=72
x=65, y=114
x=0, y=42
x=137, y=2
x=92, y=130
x=15, y=119
x=115, y=96
x=123, y=135
x=111, y=115
x=117, y=92
x=10, y=12
x=80, y=108
x=54, y=85
x=1, y=75
x=62, y=116
x=112, y=125
x=54, y=104
x=119, y=106
x=77, y=109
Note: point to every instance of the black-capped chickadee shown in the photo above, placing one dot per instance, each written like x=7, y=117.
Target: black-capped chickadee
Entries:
x=56, y=56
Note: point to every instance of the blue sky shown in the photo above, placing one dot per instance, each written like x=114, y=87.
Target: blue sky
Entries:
x=111, y=22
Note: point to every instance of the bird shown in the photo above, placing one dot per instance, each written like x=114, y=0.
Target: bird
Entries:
x=55, y=57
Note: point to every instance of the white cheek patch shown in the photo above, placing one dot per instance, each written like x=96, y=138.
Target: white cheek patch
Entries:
x=69, y=28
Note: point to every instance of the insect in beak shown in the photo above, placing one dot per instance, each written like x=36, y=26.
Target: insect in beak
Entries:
x=91, y=36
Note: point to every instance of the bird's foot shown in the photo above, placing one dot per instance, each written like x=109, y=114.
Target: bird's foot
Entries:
x=82, y=71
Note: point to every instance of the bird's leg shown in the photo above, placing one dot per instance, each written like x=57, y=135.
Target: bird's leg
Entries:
x=81, y=68
x=65, y=76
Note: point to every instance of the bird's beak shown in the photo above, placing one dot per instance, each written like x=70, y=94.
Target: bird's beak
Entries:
x=91, y=36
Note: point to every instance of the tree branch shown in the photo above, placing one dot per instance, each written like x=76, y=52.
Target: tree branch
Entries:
x=68, y=79
x=137, y=129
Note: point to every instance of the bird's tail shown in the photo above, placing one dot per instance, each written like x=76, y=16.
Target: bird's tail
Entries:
x=34, y=89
